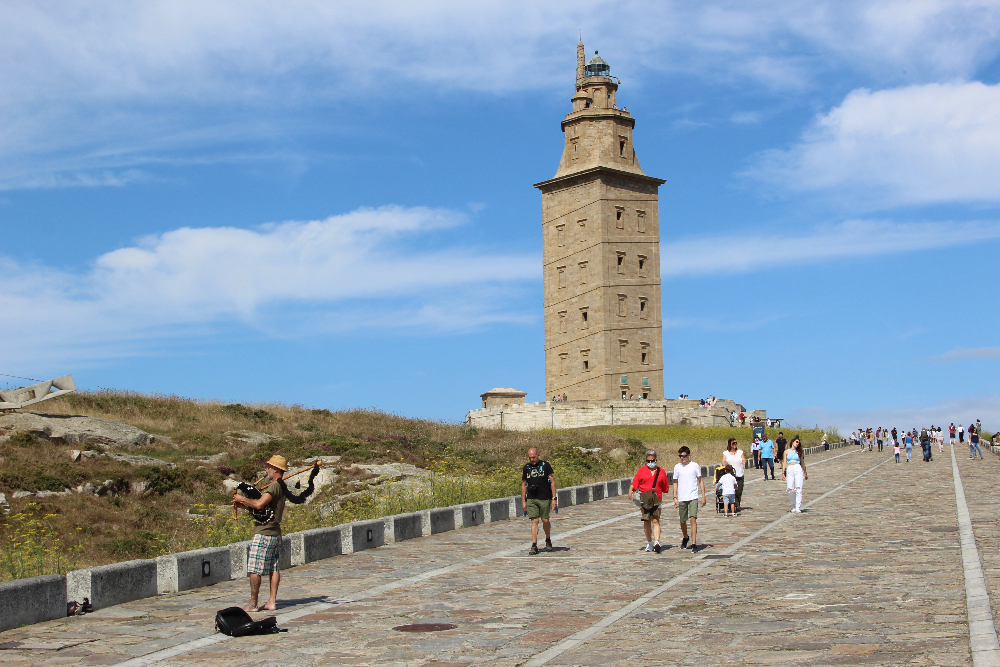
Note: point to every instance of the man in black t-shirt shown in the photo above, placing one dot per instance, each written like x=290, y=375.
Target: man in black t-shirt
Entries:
x=782, y=443
x=538, y=497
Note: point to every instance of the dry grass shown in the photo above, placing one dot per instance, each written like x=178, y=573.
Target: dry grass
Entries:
x=188, y=507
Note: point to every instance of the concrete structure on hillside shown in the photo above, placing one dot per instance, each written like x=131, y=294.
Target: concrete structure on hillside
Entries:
x=601, y=253
x=579, y=414
x=501, y=398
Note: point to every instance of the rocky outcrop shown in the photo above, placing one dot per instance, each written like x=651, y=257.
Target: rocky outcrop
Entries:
x=78, y=430
x=248, y=437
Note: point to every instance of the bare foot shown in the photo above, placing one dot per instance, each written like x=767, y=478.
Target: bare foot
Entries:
x=251, y=607
x=270, y=606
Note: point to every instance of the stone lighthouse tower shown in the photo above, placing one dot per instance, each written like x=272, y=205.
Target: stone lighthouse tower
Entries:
x=601, y=253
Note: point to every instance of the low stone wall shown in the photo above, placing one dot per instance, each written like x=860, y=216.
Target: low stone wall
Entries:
x=578, y=414
x=32, y=600
x=109, y=585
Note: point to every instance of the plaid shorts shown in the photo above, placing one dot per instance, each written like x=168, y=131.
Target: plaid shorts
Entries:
x=263, y=554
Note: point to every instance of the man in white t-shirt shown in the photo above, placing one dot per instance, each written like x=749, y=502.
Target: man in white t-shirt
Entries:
x=688, y=487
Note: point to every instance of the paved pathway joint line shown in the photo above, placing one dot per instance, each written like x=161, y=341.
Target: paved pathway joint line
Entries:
x=585, y=635
x=982, y=632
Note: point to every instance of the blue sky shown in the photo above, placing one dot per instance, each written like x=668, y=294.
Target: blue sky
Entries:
x=330, y=203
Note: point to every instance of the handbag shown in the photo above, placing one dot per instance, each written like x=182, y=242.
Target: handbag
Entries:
x=649, y=501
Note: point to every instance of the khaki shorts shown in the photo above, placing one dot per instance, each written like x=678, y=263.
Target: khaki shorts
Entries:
x=688, y=509
x=538, y=509
x=652, y=514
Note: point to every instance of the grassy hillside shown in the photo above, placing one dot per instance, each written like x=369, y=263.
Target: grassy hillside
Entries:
x=187, y=507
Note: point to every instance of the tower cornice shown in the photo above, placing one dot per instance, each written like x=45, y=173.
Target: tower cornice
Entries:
x=559, y=181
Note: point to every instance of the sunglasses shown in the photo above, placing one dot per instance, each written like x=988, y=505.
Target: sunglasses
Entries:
x=683, y=456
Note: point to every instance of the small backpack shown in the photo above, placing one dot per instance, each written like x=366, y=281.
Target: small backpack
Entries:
x=237, y=623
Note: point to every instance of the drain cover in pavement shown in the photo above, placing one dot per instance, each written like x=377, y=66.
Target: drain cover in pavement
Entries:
x=716, y=556
x=425, y=627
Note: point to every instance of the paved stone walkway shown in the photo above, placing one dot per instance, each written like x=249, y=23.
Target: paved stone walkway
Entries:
x=871, y=573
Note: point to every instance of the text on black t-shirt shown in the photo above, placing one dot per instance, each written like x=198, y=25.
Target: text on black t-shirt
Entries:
x=536, y=478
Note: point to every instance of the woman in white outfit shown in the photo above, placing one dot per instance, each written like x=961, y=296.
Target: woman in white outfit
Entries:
x=733, y=456
x=793, y=470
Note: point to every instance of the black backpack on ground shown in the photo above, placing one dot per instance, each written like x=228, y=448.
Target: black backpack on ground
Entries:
x=237, y=623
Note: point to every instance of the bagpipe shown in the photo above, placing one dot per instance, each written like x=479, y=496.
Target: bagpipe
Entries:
x=253, y=492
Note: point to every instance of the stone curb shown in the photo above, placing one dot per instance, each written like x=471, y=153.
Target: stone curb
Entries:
x=32, y=600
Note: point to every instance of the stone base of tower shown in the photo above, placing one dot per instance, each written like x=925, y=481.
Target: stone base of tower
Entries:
x=579, y=414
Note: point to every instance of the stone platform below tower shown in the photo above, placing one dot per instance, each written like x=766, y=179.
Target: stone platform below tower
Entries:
x=578, y=414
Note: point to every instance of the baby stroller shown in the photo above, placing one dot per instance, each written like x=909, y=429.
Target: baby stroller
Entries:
x=720, y=504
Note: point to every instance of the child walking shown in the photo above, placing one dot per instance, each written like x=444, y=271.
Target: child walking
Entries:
x=727, y=483
x=895, y=449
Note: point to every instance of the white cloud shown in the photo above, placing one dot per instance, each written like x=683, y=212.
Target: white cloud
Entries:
x=853, y=238
x=352, y=271
x=84, y=89
x=960, y=411
x=915, y=145
x=962, y=354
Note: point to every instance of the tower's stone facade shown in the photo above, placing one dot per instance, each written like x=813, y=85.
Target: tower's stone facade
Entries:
x=601, y=253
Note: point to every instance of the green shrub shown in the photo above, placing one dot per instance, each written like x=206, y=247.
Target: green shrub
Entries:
x=162, y=479
x=253, y=414
x=138, y=544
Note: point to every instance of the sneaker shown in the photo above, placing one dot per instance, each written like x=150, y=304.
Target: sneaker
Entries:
x=648, y=548
x=694, y=547
x=684, y=543
x=533, y=551
x=548, y=544
x=656, y=547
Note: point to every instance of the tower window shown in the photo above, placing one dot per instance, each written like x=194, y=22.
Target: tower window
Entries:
x=623, y=355
x=621, y=262
x=562, y=363
x=583, y=273
x=586, y=365
x=584, y=322
x=624, y=380
x=583, y=229
x=560, y=235
x=644, y=356
x=640, y=221
x=643, y=310
x=642, y=266
x=619, y=215
x=584, y=356
x=621, y=147
x=561, y=270
x=622, y=301
x=562, y=322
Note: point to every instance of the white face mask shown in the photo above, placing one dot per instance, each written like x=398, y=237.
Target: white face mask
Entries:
x=651, y=464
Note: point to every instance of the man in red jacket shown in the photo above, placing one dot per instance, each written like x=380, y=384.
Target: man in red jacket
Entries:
x=653, y=479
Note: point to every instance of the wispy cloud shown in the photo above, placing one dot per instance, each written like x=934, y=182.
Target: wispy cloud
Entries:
x=87, y=90
x=920, y=144
x=963, y=354
x=853, y=238
x=353, y=271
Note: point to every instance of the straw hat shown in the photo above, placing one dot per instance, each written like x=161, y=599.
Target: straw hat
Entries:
x=278, y=461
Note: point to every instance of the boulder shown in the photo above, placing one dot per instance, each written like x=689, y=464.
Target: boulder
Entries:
x=249, y=437
x=79, y=430
x=618, y=454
